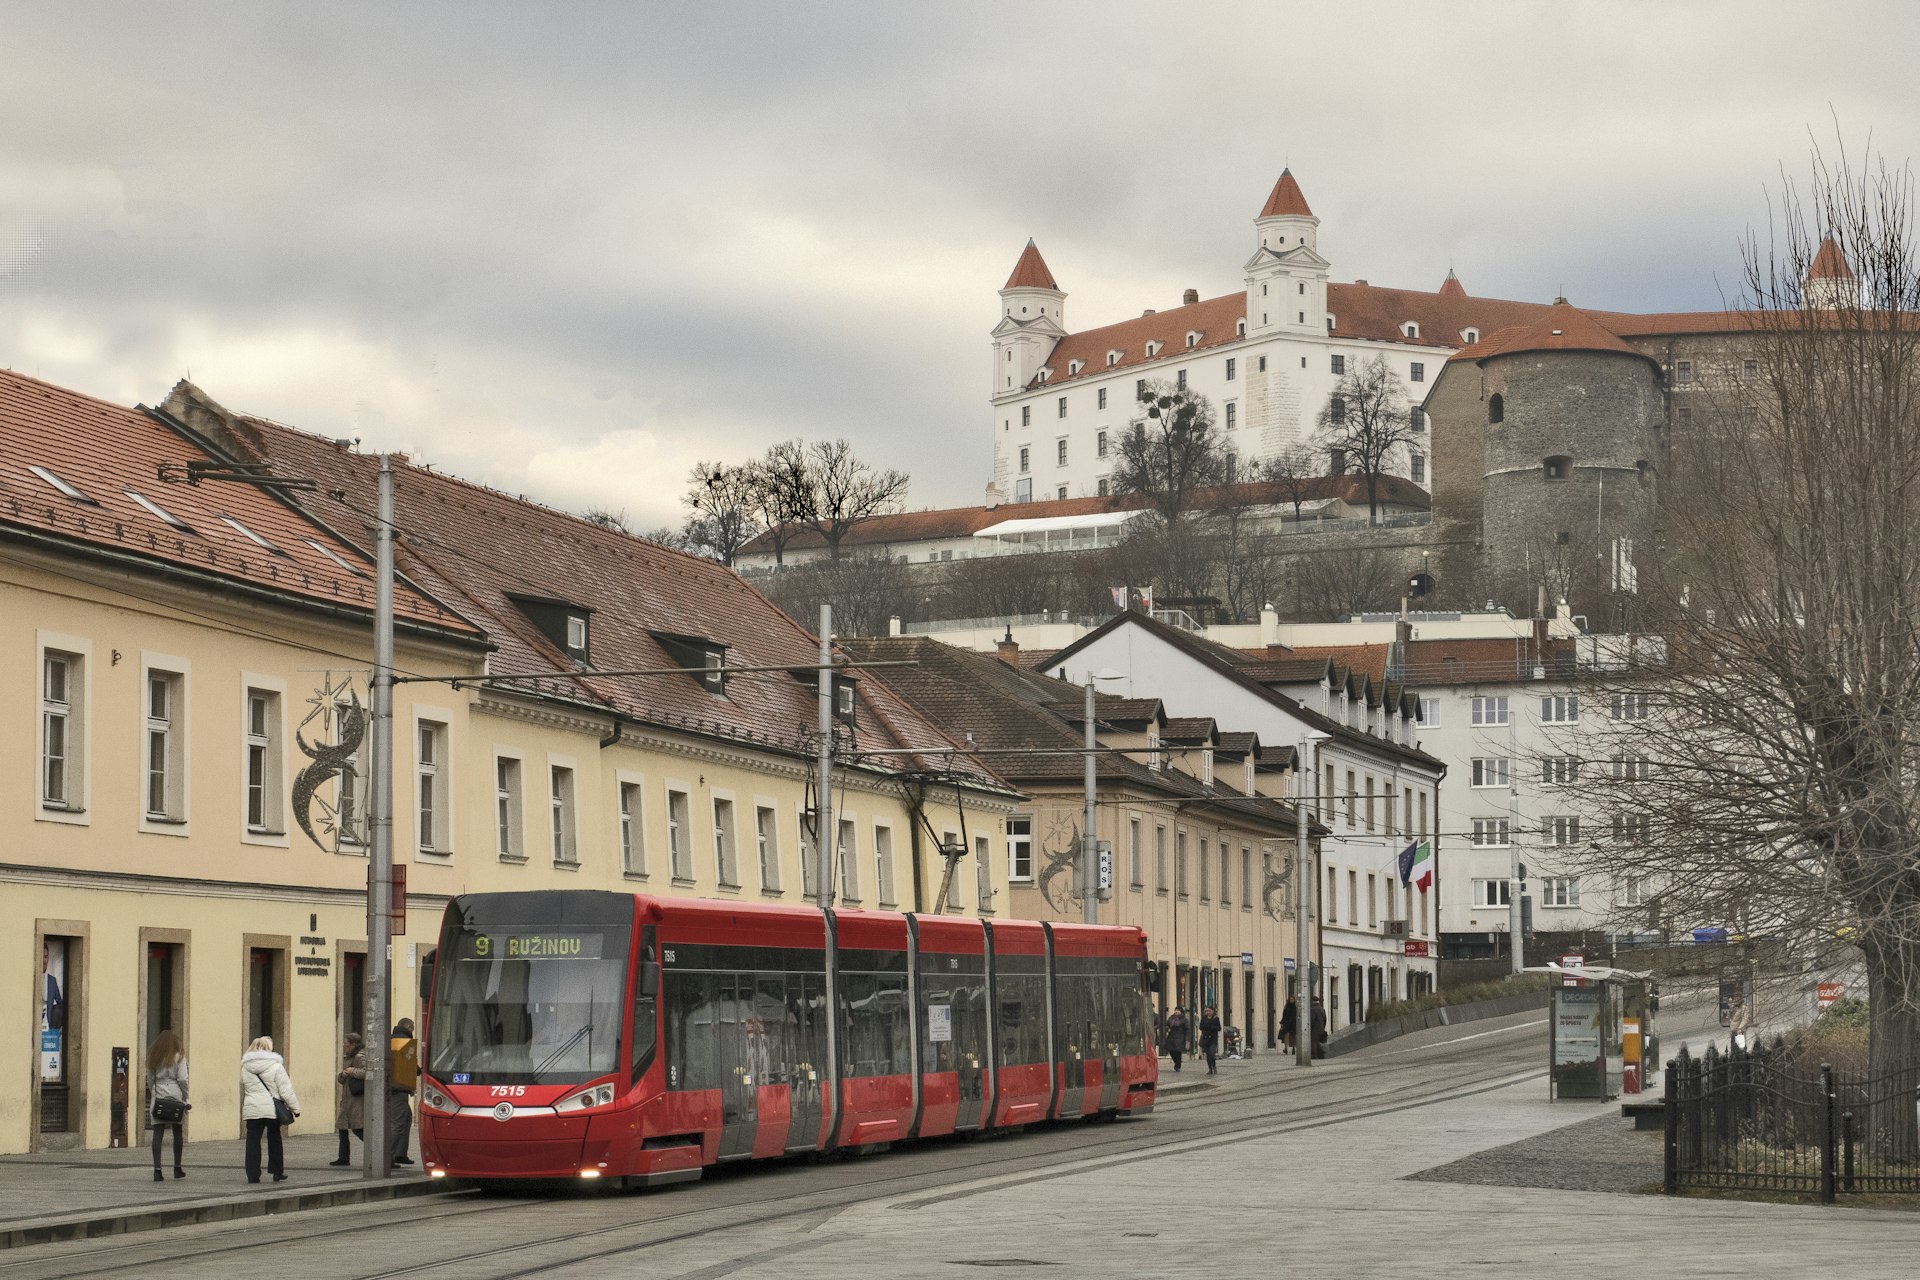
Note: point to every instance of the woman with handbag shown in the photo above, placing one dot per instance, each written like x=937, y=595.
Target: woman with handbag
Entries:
x=349, y=1099
x=267, y=1103
x=167, y=1087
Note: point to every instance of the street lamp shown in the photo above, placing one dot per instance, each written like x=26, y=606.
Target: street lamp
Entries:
x=1089, y=847
x=1303, y=788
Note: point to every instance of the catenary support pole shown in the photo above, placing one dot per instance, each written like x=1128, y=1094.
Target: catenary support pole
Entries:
x=1089, y=842
x=825, y=843
x=380, y=838
x=1303, y=781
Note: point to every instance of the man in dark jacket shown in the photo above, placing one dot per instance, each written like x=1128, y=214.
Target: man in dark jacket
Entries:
x=1174, y=1039
x=1319, y=1028
x=1210, y=1037
x=1289, y=1021
x=403, y=1073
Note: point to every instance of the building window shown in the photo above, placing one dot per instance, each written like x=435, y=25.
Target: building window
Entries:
x=983, y=873
x=1563, y=830
x=263, y=754
x=726, y=847
x=1490, y=710
x=847, y=851
x=883, y=867
x=1632, y=828
x=1337, y=412
x=1492, y=893
x=679, y=836
x=1061, y=493
x=1370, y=797
x=432, y=787
x=1353, y=799
x=1418, y=463
x=1134, y=869
x=1428, y=713
x=1100, y=444
x=1233, y=415
x=1332, y=904
x=1683, y=371
x=1025, y=458
x=1560, y=708
x=1026, y=415
x=1020, y=849
x=1559, y=769
x=1496, y=408
x=1492, y=833
x=1063, y=406
x=1635, y=891
x=1373, y=900
x=1140, y=389
x=1260, y=364
x=1339, y=364
x=1558, y=467
x=1060, y=453
x=1750, y=368
x=766, y=847
x=1560, y=891
x=1353, y=896
x=1180, y=380
x=1230, y=368
x=1492, y=771
x=1100, y=486
x=1634, y=768
x=1160, y=859
x=633, y=848
x=165, y=756
x=1226, y=874
x=566, y=849
x=1180, y=863
x=1416, y=372
x=1206, y=853
x=1100, y=398
x=1246, y=876
x=506, y=805
x=1629, y=706
x=1417, y=420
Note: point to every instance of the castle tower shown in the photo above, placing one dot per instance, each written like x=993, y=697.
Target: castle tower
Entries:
x=1830, y=282
x=1569, y=464
x=1033, y=313
x=1286, y=277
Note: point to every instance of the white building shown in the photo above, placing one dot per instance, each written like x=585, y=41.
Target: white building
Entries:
x=1372, y=784
x=1267, y=355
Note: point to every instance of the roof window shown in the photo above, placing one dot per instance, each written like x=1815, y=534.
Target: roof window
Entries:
x=1113, y=358
x=1469, y=336
x=1240, y=328
x=329, y=554
x=1410, y=329
x=1075, y=366
x=250, y=535
x=1153, y=349
x=705, y=660
x=159, y=512
x=61, y=485
x=563, y=622
x=1193, y=339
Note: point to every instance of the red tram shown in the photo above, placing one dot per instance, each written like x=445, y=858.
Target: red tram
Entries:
x=588, y=1034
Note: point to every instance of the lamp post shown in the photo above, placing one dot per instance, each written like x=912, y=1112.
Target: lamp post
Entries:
x=1303, y=789
x=380, y=837
x=1089, y=843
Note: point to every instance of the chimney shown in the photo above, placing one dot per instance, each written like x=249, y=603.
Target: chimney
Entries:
x=1147, y=312
x=893, y=625
x=1007, y=649
x=1269, y=626
x=1190, y=297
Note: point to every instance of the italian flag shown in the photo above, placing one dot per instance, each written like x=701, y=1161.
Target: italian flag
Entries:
x=1416, y=866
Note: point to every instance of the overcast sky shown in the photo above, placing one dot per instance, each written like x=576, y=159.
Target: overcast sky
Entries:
x=570, y=249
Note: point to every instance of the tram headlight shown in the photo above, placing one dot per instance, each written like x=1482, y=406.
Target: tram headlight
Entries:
x=600, y=1095
x=432, y=1099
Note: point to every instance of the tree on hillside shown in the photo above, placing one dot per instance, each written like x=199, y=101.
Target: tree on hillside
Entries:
x=1328, y=584
x=865, y=590
x=1169, y=453
x=1761, y=776
x=1241, y=547
x=782, y=493
x=843, y=490
x=1365, y=425
x=724, y=499
x=1296, y=472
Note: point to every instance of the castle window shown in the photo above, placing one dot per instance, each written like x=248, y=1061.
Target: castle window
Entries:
x=1302, y=318
x=1061, y=493
x=1230, y=368
x=1026, y=456
x=1113, y=358
x=1232, y=415
x=1337, y=410
x=1060, y=452
x=1558, y=467
x=1074, y=367
x=1303, y=288
x=1193, y=339
x=1100, y=444
x=1026, y=415
x=1153, y=349
x=1260, y=364
x=1339, y=364
x=1683, y=371
x=1100, y=398
x=1416, y=372
x=1140, y=389
x=1180, y=379
x=1496, y=408
x=1329, y=324
x=1416, y=420
x=1337, y=461
x=1239, y=328
x=1103, y=486
x=1063, y=406
x=1419, y=468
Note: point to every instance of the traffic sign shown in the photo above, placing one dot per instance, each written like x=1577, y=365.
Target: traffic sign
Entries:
x=1288, y=964
x=1828, y=992
x=1246, y=959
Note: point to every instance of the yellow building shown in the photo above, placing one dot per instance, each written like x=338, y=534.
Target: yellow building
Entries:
x=176, y=647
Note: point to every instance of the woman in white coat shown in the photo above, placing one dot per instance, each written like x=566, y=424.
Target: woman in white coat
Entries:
x=263, y=1081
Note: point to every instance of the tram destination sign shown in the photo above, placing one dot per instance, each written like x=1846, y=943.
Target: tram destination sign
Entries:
x=529, y=944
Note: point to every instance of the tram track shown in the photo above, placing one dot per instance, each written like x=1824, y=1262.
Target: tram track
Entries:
x=1303, y=1105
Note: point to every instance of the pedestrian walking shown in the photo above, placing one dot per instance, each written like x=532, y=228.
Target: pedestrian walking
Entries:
x=1174, y=1041
x=1740, y=1022
x=167, y=1089
x=349, y=1097
x=403, y=1073
x=1210, y=1038
x=1289, y=1023
x=1319, y=1028
x=267, y=1102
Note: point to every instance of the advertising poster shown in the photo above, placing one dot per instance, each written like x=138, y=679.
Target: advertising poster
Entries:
x=53, y=1010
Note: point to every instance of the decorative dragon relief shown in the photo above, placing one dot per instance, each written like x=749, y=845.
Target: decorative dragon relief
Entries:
x=1061, y=848
x=1277, y=898
x=336, y=706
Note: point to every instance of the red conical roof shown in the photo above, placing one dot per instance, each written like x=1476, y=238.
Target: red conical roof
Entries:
x=1451, y=286
x=1829, y=263
x=1286, y=200
x=1031, y=271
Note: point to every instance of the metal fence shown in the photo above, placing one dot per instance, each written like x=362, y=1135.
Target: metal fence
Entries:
x=1762, y=1121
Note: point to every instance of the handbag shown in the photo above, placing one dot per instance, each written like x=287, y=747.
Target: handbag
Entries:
x=356, y=1085
x=282, y=1113
x=169, y=1110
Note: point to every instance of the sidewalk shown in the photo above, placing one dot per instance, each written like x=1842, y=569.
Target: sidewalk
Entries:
x=64, y=1195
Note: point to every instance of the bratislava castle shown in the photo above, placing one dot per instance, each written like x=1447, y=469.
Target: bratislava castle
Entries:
x=1268, y=356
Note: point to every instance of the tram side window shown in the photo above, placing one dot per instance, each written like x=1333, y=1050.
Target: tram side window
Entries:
x=1023, y=1019
x=806, y=1015
x=963, y=995
x=646, y=1019
x=770, y=1030
x=875, y=1010
x=692, y=1014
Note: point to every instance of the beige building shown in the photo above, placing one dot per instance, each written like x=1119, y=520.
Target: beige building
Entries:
x=177, y=648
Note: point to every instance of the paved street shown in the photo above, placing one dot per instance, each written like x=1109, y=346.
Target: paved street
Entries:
x=1264, y=1170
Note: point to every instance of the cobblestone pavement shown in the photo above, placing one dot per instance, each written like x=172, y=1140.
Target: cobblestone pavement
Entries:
x=1605, y=1153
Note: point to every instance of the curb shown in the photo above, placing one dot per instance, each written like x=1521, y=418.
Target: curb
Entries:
x=1368, y=1034
x=87, y=1226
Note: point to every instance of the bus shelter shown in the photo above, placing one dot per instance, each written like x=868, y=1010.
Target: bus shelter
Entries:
x=1600, y=1032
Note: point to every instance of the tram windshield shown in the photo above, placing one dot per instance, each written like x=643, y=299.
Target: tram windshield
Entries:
x=528, y=1005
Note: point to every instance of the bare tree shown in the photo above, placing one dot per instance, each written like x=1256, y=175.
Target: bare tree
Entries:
x=724, y=498
x=782, y=493
x=608, y=519
x=1243, y=555
x=843, y=491
x=1763, y=775
x=1296, y=472
x=1327, y=584
x=1365, y=424
x=864, y=590
x=1170, y=452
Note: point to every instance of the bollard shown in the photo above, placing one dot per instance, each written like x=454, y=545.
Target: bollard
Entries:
x=1846, y=1145
x=1827, y=1170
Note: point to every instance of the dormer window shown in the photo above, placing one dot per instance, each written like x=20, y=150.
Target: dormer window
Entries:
x=1074, y=367
x=329, y=554
x=1469, y=336
x=844, y=701
x=1193, y=338
x=1153, y=349
x=1240, y=328
x=1113, y=358
x=62, y=486
x=705, y=660
x=1045, y=374
x=576, y=631
x=1206, y=767
x=1329, y=324
x=562, y=622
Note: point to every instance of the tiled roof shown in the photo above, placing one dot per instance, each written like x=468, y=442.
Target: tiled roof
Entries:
x=1188, y=729
x=1451, y=286
x=1562, y=328
x=1031, y=271
x=1286, y=200
x=1238, y=743
x=105, y=450
x=1215, y=321
x=1829, y=263
x=1366, y=659
x=481, y=547
x=1443, y=662
x=1368, y=311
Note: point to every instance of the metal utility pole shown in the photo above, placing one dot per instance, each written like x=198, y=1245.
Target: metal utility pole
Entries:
x=824, y=834
x=1089, y=846
x=380, y=824
x=1303, y=785
x=1516, y=886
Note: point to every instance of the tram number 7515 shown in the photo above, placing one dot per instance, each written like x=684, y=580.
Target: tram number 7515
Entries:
x=507, y=1091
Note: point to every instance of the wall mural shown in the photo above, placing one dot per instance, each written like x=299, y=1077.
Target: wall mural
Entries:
x=336, y=707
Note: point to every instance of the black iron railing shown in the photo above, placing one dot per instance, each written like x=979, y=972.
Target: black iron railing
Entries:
x=1762, y=1121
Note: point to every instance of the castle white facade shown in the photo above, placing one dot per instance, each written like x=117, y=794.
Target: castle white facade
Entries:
x=1268, y=357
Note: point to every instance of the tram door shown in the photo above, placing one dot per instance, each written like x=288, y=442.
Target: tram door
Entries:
x=807, y=1050
x=1110, y=1001
x=740, y=1060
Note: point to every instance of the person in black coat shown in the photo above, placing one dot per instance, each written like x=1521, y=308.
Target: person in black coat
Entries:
x=1289, y=1023
x=1319, y=1028
x=1174, y=1038
x=1210, y=1037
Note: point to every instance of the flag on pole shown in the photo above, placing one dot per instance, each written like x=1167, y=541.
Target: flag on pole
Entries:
x=1146, y=598
x=1420, y=874
x=1406, y=862
x=1119, y=597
